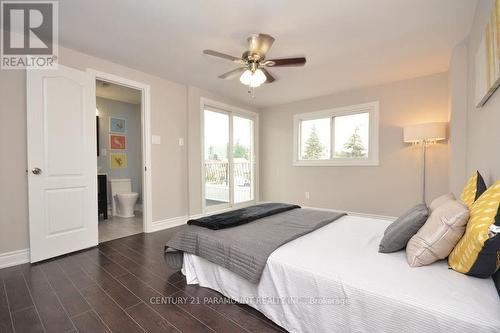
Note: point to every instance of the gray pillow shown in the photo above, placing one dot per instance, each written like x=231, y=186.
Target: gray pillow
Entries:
x=400, y=231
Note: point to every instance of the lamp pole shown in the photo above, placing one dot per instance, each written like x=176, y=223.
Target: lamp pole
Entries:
x=424, y=153
x=424, y=134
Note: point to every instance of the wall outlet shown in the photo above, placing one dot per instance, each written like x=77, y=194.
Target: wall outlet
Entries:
x=181, y=142
x=307, y=195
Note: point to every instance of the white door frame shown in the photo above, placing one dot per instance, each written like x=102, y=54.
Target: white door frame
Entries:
x=230, y=110
x=146, y=137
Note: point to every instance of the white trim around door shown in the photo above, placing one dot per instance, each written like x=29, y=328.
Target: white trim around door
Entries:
x=146, y=138
x=232, y=111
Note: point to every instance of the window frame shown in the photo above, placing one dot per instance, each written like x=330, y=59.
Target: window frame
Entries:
x=231, y=111
x=372, y=108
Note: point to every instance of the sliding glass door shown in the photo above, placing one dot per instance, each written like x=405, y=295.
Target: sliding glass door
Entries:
x=229, y=168
x=216, y=158
x=243, y=183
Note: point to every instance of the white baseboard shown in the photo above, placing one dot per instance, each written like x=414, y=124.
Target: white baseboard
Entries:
x=169, y=223
x=373, y=216
x=13, y=258
x=197, y=216
x=177, y=221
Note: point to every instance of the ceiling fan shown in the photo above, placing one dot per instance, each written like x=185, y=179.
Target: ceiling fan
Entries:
x=253, y=62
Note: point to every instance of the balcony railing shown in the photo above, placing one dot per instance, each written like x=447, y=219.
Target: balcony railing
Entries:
x=217, y=172
x=217, y=181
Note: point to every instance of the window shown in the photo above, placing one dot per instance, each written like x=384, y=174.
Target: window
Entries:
x=341, y=136
x=229, y=156
x=315, y=139
x=352, y=135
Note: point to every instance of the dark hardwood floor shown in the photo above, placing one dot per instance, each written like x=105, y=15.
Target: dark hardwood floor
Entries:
x=121, y=286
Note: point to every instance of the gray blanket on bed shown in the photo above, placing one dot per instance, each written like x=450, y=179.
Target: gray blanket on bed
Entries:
x=244, y=249
x=234, y=218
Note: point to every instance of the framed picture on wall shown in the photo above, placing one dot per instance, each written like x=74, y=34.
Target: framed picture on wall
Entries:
x=117, y=161
x=487, y=58
x=117, y=125
x=117, y=141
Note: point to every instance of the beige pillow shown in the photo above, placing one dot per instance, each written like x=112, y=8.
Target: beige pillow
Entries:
x=440, y=200
x=439, y=235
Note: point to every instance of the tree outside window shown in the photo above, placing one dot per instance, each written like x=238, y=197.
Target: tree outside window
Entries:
x=314, y=149
x=354, y=146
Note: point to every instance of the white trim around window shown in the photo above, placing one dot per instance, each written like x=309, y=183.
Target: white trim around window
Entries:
x=372, y=159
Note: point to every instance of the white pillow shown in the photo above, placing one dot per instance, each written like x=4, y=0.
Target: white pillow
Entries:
x=440, y=200
x=439, y=235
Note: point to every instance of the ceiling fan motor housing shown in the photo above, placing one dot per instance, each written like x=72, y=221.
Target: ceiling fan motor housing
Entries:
x=253, y=66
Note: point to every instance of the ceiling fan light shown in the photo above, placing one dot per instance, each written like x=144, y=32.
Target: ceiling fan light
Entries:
x=258, y=77
x=254, y=79
x=254, y=84
x=246, y=77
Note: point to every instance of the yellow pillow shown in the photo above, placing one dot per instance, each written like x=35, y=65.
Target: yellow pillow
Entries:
x=478, y=250
x=473, y=190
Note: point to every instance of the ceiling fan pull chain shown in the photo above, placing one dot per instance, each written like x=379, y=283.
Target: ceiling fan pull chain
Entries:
x=251, y=91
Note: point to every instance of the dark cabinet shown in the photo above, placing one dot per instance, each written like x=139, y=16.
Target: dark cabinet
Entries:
x=102, y=195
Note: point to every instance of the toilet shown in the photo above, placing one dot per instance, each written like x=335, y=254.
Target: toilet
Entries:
x=123, y=199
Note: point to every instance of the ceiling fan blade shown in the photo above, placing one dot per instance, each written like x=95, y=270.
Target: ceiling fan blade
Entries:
x=232, y=74
x=260, y=43
x=269, y=77
x=223, y=56
x=285, y=62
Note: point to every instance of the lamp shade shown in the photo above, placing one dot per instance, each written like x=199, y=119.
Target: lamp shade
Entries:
x=424, y=132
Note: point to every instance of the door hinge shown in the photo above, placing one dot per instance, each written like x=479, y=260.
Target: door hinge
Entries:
x=145, y=168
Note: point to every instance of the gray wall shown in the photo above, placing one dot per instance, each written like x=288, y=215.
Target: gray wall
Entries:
x=477, y=134
x=458, y=119
x=13, y=183
x=132, y=114
x=387, y=189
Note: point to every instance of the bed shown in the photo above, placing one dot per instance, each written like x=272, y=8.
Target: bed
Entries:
x=334, y=280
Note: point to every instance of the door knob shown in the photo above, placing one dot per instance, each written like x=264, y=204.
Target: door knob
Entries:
x=36, y=171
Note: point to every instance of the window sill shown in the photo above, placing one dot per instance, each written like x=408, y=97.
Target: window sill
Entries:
x=364, y=162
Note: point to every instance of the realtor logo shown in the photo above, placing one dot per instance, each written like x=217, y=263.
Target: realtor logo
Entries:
x=29, y=34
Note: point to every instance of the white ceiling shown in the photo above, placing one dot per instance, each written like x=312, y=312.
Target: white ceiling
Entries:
x=348, y=43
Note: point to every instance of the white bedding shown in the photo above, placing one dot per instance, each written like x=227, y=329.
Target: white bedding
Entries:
x=367, y=291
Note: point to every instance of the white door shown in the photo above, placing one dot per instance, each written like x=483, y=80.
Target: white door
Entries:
x=62, y=162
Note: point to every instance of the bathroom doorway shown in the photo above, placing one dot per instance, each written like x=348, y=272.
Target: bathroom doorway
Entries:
x=122, y=120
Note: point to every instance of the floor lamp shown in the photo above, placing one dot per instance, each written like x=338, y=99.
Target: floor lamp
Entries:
x=424, y=135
